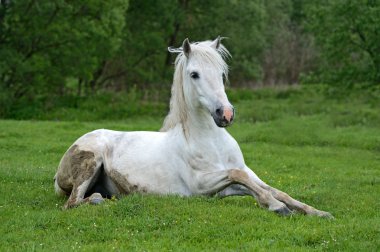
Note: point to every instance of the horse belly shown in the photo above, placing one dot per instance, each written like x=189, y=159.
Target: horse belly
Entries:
x=143, y=163
x=147, y=177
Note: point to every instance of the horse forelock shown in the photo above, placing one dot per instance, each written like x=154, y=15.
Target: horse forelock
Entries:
x=178, y=109
x=204, y=50
x=214, y=56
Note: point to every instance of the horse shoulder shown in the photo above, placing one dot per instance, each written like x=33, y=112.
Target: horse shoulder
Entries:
x=233, y=156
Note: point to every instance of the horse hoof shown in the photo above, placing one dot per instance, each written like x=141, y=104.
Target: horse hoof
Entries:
x=96, y=199
x=283, y=211
x=326, y=215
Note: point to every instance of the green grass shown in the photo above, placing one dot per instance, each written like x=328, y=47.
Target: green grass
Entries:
x=320, y=149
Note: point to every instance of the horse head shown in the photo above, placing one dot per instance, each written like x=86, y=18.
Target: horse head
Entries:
x=204, y=72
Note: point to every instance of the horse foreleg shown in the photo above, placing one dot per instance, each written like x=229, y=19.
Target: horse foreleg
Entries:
x=289, y=201
x=298, y=205
x=211, y=183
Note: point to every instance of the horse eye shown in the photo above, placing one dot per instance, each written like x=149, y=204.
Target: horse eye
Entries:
x=194, y=75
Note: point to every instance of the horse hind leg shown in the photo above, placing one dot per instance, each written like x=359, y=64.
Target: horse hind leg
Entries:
x=80, y=170
x=58, y=190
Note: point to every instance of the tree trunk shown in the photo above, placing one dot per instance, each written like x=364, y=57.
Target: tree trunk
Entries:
x=96, y=76
x=183, y=5
x=79, y=90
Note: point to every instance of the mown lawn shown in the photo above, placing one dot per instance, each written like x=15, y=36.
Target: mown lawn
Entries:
x=322, y=150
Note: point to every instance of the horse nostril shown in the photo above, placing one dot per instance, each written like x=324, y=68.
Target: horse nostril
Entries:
x=219, y=111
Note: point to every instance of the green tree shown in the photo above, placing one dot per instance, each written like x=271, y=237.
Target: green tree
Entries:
x=288, y=50
x=348, y=34
x=152, y=26
x=242, y=22
x=42, y=43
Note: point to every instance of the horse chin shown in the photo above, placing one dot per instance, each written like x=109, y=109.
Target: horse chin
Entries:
x=221, y=123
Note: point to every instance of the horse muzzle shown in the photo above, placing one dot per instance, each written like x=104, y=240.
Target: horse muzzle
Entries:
x=223, y=116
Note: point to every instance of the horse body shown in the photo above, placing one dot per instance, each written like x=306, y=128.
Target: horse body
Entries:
x=192, y=155
x=156, y=162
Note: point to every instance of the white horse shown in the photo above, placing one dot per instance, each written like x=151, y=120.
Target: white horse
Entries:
x=192, y=155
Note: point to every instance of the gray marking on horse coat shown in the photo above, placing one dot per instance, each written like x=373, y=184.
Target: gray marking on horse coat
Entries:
x=77, y=167
x=82, y=162
x=123, y=185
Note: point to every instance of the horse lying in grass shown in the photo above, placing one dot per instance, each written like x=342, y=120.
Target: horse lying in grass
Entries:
x=192, y=155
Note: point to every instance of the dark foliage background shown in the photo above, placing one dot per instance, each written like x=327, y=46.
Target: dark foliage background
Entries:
x=56, y=51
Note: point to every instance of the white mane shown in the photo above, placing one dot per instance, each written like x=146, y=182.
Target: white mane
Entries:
x=178, y=113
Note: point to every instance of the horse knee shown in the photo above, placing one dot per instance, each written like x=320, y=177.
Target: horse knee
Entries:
x=239, y=176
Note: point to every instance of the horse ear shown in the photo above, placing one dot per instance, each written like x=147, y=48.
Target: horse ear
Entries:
x=216, y=43
x=186, y=47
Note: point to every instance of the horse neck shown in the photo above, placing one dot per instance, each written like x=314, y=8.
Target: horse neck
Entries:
x=200, y=124
x=194, y=122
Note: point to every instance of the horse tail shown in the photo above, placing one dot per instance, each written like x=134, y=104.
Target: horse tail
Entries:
x=58, y=190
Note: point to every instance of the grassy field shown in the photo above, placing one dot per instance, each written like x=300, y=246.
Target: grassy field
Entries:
x=320, y=147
